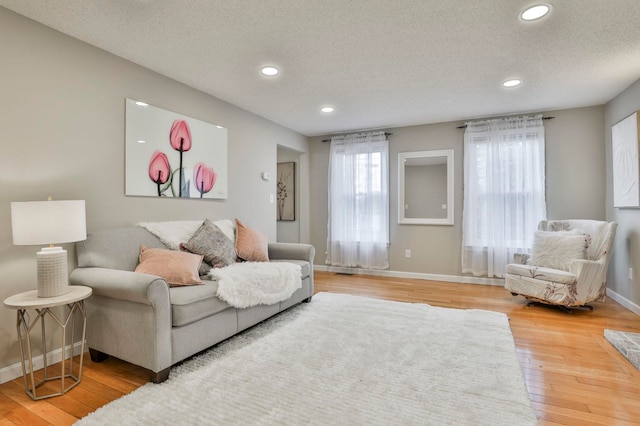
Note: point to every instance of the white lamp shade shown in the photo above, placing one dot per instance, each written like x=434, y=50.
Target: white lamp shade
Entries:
x=48, y=222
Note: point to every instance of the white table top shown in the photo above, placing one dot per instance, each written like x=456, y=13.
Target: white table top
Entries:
x=30, y=299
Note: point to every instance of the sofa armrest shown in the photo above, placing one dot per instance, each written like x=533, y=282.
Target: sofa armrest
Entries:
x=123, y=285
x=292, y=251
x=129, y=316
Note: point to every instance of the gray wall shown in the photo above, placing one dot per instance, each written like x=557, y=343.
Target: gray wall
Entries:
x=63, y=135
x=626, y=251
x=575, y=169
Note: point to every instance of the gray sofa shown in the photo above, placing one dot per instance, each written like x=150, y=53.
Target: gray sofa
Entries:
x=140, y=319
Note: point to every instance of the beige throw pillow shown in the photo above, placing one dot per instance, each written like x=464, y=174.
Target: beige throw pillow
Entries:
x=251, y=245
x=211, y=242
x=176, y=267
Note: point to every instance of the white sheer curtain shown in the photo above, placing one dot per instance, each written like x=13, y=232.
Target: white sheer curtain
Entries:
x=358, y=226
x=504, y=192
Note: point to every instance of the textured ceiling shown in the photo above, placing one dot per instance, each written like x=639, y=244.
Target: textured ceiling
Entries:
x=380, y=63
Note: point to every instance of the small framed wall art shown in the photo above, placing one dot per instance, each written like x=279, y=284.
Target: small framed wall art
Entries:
x=286, y=191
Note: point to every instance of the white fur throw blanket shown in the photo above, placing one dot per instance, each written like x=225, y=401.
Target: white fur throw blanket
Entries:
x=246, y=284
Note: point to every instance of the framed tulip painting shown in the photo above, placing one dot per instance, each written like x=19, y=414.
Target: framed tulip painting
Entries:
x=171, y=155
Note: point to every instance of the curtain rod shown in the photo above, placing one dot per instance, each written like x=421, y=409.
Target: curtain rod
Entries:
x=544, y=118
x=329, y=140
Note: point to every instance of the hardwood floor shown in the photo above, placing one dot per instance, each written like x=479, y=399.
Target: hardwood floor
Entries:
x=574, y=376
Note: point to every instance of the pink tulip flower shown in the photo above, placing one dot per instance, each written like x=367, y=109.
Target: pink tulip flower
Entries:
x=204, y=178
x=159, y=169
x=180, y=139
x=180, y=136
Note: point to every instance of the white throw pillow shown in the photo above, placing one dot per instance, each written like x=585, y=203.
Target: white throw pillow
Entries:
x=556, y=250
x=228, y=227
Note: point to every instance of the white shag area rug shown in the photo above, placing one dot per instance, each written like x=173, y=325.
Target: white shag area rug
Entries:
x=344, y=360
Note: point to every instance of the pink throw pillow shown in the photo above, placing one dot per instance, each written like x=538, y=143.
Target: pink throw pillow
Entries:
x=176, y=267
x=251, y=245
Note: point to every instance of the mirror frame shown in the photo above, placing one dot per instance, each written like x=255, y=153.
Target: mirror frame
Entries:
x=402, y=156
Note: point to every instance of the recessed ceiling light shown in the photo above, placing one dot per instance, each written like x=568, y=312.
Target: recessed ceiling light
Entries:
x=270, y=71
x=327, y=109
x=142, y=104
x=512, y=83
x=535, y=12
x=141, y=141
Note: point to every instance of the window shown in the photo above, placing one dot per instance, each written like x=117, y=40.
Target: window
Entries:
x=358, y=225
x=504, y=192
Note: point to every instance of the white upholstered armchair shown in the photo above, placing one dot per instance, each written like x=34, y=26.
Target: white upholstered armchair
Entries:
x=567, y=266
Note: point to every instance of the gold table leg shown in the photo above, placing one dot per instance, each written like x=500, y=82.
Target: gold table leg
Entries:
x=24, y=327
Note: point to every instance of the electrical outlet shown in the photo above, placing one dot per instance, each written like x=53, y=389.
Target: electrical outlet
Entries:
x=630, y=273
x=407, y=253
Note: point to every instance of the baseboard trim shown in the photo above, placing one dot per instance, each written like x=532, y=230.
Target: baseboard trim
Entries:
x=415, y=275
x=15, y=370
x=633, y=307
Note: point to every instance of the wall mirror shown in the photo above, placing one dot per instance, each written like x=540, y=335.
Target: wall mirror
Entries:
x=425, y=187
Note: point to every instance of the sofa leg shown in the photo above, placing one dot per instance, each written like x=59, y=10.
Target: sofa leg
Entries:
x=307, y=300
x=160, y=376
x=97, y=356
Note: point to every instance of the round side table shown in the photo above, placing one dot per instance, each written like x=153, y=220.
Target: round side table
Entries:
x=74, y=300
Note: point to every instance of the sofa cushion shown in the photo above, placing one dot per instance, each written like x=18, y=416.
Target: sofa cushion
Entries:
x=190, y=304
x=209, y=240
x=176, y=267
x=251, y=245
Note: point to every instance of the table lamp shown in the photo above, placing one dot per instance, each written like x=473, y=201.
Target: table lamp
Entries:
x=49, y=222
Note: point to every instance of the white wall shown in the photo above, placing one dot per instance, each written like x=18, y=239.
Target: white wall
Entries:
x=63, y=118
x=575, y=170
x=626, y=250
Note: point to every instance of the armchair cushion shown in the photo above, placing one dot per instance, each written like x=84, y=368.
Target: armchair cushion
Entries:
x=556, y=250
x=541, y=273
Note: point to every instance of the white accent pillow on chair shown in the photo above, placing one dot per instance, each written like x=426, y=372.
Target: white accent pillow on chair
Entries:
x=556, y=250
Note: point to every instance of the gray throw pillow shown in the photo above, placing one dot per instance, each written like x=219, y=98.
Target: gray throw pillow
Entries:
x=218, y=250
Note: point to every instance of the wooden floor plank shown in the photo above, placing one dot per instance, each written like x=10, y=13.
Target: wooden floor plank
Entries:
x=573, y=374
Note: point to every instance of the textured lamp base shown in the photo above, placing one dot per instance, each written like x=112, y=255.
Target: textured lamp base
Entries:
x=53, y=278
